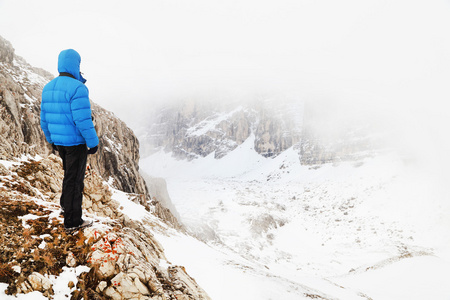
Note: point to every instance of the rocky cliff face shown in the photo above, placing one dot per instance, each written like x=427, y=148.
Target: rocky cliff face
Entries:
x=20, y=91
x=20, y=133
x=20, y=88
x=192, y=129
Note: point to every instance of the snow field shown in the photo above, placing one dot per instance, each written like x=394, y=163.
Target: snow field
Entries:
x=333, y=229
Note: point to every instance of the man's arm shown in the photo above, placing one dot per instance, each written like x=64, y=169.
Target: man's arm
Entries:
x=44, y=126
x=82, y=116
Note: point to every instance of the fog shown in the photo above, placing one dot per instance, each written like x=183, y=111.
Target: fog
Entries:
x=384, y=62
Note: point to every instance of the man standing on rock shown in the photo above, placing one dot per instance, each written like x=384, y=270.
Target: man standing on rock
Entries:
x=66, y=120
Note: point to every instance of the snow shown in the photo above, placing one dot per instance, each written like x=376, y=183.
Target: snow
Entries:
x=8, y=164
x=61, y=282
x=32, y=295
x=424, y=277
x=274, y=229
x=227, y=276
x=211, y=123
x=60, y=285
x=27, y=217
x=128, y=207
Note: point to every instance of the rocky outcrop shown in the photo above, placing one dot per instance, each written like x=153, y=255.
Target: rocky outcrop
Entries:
x=6, y=51
x=194, y=129
x=119, y=257
x=158, y=186
x=118, y=155
x=20, y=89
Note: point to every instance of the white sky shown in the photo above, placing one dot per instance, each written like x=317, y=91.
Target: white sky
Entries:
x=389, y=59
x=135, y=53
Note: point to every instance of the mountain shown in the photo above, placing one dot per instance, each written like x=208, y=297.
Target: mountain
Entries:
x=301, y=199
x=321, y=131
x=196, y=128
x=118, y=257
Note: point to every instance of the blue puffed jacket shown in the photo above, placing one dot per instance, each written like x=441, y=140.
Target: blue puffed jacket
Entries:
x=66, y=116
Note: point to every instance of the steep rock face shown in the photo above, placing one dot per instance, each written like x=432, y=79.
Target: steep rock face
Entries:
x=6, y=51
x=118, y=154
x=279, y=126
x=20, y=133
x=20, y=88
x=196, y=129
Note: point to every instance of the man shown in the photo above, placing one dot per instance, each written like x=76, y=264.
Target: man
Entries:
x=66, y=120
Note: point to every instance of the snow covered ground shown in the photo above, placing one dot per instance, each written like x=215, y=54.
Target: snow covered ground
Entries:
x=273, y=229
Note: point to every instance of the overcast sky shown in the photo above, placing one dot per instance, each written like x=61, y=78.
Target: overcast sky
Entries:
x=394, y=53
x=388, y=58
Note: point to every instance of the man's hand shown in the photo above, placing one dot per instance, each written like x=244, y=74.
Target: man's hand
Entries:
x=92, y=150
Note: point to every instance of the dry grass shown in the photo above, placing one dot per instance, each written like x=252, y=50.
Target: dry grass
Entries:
x=19, y=246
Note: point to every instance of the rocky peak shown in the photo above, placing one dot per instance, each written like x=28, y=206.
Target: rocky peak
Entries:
x=194, y=129
x=6, y=51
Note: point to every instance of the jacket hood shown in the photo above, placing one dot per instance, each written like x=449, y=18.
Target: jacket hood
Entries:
x=69, y=62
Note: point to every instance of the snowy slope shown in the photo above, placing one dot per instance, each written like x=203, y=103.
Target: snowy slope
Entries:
x=275, y=229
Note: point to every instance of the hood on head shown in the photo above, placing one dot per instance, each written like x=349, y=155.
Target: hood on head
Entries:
x=69, y=62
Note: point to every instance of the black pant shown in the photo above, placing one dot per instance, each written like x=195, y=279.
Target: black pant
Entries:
x=74, y=164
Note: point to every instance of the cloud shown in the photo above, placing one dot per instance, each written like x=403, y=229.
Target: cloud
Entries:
x=388, y=57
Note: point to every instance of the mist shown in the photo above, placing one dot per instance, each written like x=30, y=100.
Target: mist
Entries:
x=380, y=62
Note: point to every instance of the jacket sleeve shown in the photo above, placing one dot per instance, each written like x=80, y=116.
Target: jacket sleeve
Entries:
x=82, y=116
x=44, y=126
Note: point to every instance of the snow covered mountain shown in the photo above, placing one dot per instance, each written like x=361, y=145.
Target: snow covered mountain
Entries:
x=197, y=128
x=333, y=214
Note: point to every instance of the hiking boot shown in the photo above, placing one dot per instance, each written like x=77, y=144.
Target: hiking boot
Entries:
x=84, y=223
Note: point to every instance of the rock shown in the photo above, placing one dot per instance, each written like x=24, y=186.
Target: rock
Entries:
x=17, y=269
x=178, y=274
x=194, y=129
x=141, y=287
x=101, y=286
x=95, y=197
x=129, y=288
x=24, y=288
x=39, y=283
x=3, y=170
x=70, y=260
x=6, y=51
x=113, y=294
x=107, y=269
